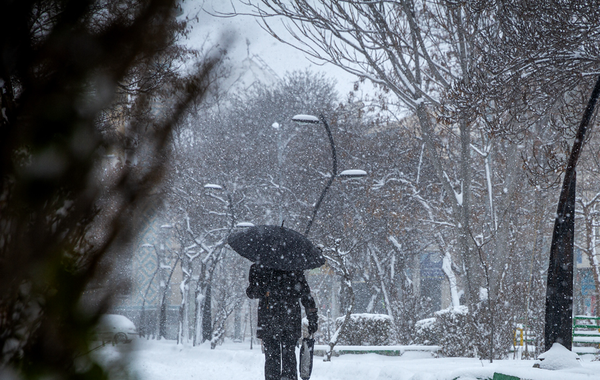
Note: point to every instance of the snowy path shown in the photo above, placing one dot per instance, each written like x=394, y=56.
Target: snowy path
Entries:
x=164, y=360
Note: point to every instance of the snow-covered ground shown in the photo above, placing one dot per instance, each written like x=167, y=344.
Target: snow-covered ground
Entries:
x=165, y=360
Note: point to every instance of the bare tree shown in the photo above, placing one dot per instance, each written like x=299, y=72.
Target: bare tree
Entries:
x=399, y=45
x=338, y=260
x=480, y=77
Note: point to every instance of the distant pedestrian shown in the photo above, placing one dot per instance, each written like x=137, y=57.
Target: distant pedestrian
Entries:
x=280, y=318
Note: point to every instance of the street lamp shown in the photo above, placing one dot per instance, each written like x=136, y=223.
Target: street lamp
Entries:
x=310, y=119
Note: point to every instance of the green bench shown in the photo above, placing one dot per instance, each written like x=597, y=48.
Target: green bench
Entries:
x=396, y=350
x=500, y=376
x=586, y=332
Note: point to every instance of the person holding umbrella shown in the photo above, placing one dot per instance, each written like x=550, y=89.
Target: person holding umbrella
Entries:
x=280, y=256
x=279, y=316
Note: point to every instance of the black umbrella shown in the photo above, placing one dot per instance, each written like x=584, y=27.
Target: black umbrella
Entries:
x=306, y=357
x=276, y=247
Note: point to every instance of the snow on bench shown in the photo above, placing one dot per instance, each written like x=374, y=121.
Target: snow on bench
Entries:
x=385, y=350
x=586, y=338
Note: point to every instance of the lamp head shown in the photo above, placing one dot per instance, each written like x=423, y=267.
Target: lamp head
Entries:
x=353, y=173
x=245, y=224
x=306, y=119
x=213, y=186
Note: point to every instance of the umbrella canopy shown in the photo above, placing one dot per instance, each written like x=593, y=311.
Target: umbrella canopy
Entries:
x=277, y=248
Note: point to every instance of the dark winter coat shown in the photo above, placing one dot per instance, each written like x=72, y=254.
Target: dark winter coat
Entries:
x=279, y=293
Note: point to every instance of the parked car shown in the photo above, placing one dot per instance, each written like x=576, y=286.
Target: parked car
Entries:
x=116, y=329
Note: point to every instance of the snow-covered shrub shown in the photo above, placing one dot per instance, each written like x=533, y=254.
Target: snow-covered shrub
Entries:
x=456, y=336
x=450, y=328
x=367, y=330
x=461, y=333
x=427, y=332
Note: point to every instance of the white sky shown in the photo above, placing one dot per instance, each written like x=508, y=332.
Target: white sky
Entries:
x=280, y=57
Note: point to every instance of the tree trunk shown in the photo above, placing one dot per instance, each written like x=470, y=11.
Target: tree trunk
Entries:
x=199, y=302
x=459, y=198
x=349, y=308
x=464, y=225
x=162, y=319
x=559, y=291
x=183, y=323
x=207, y=327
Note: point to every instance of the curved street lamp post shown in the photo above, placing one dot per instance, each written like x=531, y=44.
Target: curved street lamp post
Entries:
x=310, y=119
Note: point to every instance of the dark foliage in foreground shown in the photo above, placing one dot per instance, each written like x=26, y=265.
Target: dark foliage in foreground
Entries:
x=65, y=67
